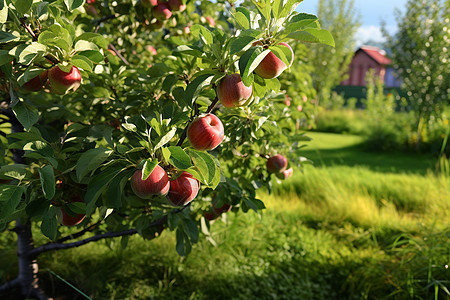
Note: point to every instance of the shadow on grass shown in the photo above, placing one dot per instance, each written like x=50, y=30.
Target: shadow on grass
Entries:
x=357, y=155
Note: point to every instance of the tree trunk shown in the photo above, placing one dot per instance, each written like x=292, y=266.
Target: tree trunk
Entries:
x=28, y=267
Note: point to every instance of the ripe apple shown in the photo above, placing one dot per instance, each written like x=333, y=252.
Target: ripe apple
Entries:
x=276, y=164
x=205, y=132
x=162, y=12
x=232, y=92
x=285, y=174
x=271, y=66
x=287, y=101
x=210, y=21
x=70, y=218
x=61, y=82
x=37, y=83
x=151, y=49
x=299, y=108
x=183, y=189
x=187, y=30
x=91, y=10
x=149, y=3
x=216, y=211
x=156, y=184
x=177, y=5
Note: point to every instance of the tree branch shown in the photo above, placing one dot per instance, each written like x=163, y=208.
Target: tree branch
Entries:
x=59, y=246
x=9, y=285
x=111, y=47
x=78, y=234
x=104, y=19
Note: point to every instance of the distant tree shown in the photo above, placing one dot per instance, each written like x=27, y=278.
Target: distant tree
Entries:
x=420, y=53
x=331, y=64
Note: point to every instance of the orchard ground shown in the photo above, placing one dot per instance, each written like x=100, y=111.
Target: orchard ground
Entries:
x=358, y=225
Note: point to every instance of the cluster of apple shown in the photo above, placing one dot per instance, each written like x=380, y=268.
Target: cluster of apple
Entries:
x=58, y=81
x=277, y=165
x=162, y=10
x=206, y=132
x=232, y=92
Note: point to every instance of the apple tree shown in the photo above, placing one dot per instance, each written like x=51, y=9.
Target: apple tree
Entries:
x=134, y=117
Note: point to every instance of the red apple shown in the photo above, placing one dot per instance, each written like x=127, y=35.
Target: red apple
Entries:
x=149, y=3
x=271, y=66
x=61, y=82
x=151, y=49
x=285, y=174
x=37, y=83
x=156, y=184
x=299, y=108
x=205, y=132
x=216, y=211
x=276, y=164
x=305, y=98
x=232, y=92
x=187, y=30
x=91, y=10
x=70, y=218
x=210, y=21
x=287, y=101
x=183, y=189
x=162, y=12
x=177, y=5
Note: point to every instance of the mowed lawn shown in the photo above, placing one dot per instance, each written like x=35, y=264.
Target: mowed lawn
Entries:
x=358, y=225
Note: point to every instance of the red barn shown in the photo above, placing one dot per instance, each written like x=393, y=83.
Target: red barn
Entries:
x=365, y=58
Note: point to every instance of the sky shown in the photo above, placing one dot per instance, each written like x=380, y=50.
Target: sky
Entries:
x=372, y=12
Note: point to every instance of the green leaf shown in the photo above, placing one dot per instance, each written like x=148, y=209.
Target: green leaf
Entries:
x=3, y=12
x=169, y=83
x=183, y=246
x=5, y=57
x=166, y=138
x=83, y=45
x=96, y=38
x=191, y=229
x=82, y=62
x=26, y=114
x=22, y=6
x=148, y=168
x=49, y=227
x=115, y=189
x=202, y=33
x=28, y=54
x=195, y=87
x=16, y=171
x=6, y=37
x=205, y=165
x=249, y=61
x=47, y=181
x=313, y=35
x=73, y=4
x=90, y=160
x=242, y=20
x=42, y=9
x=76, y=208
x=283, y=53
x=50, y=38
x=97, y=185
x=190, y=50
x=240, y=43
x=10, y=197
x=179, y=158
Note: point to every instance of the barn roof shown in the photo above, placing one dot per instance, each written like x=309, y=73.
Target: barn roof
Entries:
x=376, y=54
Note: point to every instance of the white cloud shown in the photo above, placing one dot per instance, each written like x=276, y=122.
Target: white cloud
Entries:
x=372, y=33
x=369, y=33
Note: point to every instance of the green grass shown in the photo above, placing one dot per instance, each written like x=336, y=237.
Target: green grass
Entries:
x=341, y=230
x=330, y=149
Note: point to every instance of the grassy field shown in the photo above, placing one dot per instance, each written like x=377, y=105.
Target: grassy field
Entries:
x=359, y=225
